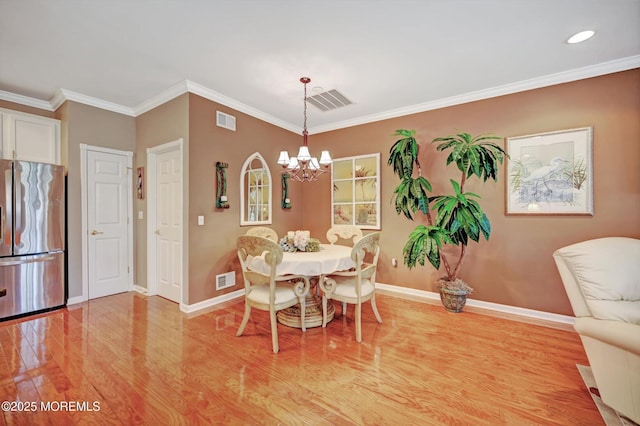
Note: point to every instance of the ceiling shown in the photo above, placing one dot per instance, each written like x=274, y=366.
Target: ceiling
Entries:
x=388, y=57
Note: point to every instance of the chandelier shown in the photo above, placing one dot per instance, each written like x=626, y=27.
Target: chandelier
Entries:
x=304, y=167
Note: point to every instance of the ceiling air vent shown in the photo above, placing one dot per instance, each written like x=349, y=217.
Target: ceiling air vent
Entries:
x=329, y=100
x=225, y=120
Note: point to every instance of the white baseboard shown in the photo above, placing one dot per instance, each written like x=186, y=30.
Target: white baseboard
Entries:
x=532, y=316
x=547, y=319
x=211, y=302
x=76, y=300
x=140, y=289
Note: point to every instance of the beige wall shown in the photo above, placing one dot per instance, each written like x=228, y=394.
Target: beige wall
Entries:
x=166, y=123
x=212, y=246
x=515, y=267
x=96, y=127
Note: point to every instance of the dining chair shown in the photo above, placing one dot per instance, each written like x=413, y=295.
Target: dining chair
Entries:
x=269, y=292
x=355, y=286
x=344, y=232
x=263, y=231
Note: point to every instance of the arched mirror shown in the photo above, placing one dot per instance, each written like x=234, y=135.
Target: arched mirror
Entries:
x=255, y=191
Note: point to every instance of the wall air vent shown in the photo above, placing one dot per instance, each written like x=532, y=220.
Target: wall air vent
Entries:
x=225, y=120
x=329, y=100
x=225, y=280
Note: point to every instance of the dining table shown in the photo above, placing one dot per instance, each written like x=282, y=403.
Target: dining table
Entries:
x=315, y=265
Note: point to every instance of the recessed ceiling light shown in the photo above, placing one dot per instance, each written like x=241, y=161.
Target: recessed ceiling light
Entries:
x=580, y=37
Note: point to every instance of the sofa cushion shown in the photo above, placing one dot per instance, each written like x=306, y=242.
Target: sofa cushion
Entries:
x=620, y=310
x=608, y=272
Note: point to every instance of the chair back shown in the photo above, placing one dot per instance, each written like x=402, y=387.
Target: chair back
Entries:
x=249, y=245
x=263, y=231
x=367, y=246
x=343, y=232
x=599, y=273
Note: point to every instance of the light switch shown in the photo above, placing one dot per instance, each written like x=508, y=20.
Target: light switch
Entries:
x=140, y=214
x=200, y=220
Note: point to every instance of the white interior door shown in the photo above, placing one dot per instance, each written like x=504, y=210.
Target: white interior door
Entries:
x=108, y=193
x=169, y=224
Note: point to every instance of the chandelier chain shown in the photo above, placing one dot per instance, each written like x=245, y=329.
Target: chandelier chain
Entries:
x=305, y=110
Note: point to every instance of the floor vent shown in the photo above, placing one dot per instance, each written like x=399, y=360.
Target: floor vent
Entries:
x=225, y=120
x=329, y=100
x=225, y=280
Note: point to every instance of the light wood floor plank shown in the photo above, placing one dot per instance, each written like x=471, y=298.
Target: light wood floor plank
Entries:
x=145, y=362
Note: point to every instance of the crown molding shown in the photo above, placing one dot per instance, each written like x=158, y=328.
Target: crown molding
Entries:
x=163, y=97
x=507, y=89
x=68, y=95
x=214, y=96
x=187, y=86
x=25, y=100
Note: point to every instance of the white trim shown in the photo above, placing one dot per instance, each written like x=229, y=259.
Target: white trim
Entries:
x=506, y=89
x=214, y=96
x=395, y=291
x=139, y=289
x=488, y=306
x=211, y=302
x=152, y=288
x=25, y=100
x=84, y=149
x=76, y=300
x=95, y=102
x=185, y=86
x=161, y=98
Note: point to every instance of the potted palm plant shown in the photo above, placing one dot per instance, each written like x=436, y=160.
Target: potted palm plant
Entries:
x=451, y=219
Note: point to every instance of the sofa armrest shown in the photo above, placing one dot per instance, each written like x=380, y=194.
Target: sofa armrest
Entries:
x=620, y=334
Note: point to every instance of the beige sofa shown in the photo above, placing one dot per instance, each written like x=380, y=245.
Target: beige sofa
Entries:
x=602, y=280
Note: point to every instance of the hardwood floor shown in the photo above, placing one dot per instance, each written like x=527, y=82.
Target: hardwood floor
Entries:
x=139, y=360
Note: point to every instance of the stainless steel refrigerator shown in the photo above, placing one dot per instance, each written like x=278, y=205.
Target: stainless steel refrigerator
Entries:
x=32, y=238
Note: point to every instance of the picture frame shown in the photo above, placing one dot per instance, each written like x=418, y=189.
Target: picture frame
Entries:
x=140, y=183
x=550, y=173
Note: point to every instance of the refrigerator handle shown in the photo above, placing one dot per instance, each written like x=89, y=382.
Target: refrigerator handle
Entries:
x=7, y=212
x=18, y=212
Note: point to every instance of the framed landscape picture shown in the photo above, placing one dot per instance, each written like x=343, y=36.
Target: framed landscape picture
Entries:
x=550, y=173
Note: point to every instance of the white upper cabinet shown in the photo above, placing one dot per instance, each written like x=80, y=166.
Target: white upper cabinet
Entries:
x=29, y=137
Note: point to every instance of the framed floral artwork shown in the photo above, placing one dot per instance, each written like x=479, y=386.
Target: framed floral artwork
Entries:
x=550, y=173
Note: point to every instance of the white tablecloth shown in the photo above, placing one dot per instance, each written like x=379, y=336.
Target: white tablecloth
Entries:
x=330, y=258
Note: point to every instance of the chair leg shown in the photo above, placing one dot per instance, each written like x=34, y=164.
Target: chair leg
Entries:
x=274, y=331
x=245, y=319
x=358, y=322
x=324, y=311
x=375, y=309
x=344, y=308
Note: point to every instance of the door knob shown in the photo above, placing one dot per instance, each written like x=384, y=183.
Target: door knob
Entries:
x=157, y=232
x=94, y=232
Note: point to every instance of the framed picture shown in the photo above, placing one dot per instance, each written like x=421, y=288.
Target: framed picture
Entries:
x=140, y=183
x=355, y=198
x=550, y=173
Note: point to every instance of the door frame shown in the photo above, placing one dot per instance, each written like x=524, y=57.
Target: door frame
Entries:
x=84, y=150
x=152, y=199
